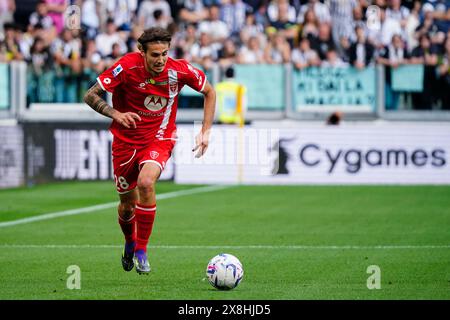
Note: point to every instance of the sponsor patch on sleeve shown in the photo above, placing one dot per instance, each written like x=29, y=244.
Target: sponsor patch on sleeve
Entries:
x=117, y=70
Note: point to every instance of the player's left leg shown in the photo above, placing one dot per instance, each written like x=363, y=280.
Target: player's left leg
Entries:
x=145, y=212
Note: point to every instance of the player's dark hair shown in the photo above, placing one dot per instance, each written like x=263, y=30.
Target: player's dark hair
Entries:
x=157, y=14
x=154, y=34
x=229, y=72
x=334, y=118
x=9, y=26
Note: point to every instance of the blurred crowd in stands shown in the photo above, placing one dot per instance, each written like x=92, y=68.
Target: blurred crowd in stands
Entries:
x=80, y=38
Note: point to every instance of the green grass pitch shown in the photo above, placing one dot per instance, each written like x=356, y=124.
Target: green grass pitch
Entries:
x=295, y=242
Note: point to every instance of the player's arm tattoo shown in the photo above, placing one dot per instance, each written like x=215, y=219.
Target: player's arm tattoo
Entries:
x=93, y=98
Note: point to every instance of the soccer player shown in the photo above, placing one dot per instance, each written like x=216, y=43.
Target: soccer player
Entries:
x=145, y=87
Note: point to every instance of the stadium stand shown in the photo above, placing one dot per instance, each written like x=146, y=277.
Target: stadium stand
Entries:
x=66, y=43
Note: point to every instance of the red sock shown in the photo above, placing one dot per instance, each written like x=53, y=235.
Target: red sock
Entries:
x=128, y=228
x=145, y=215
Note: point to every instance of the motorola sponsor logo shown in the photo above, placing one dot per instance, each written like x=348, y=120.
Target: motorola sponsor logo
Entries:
x=355, y=159
x=150, y=114
x=155, y=103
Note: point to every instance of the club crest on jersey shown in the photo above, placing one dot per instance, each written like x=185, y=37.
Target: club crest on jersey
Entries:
x=155, y=103
x=117, y=70
x=154, y=155
x=173, y=83
x=173, y=87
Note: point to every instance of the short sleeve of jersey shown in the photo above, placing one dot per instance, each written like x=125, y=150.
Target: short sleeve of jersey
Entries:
x=194, y=78
x=112, y=77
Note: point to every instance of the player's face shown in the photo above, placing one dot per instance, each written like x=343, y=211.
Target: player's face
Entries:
x=156, y=56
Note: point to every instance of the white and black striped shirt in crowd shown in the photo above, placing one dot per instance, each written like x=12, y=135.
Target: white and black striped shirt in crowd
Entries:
x=341, y=12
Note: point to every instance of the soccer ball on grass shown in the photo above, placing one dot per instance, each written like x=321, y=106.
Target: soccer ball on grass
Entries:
x=224, y=271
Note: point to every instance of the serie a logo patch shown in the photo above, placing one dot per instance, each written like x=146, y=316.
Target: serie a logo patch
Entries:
x=117, y=70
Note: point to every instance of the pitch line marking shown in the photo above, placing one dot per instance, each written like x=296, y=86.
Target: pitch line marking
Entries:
x=108, y=205
x=293, y=247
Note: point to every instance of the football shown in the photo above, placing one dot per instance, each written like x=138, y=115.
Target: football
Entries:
x=224, y=271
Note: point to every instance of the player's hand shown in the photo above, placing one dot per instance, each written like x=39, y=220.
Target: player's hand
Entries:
x=127, y=119
x=201, y=143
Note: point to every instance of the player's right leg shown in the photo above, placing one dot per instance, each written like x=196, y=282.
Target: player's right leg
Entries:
x=125, y=173
x=127, y=222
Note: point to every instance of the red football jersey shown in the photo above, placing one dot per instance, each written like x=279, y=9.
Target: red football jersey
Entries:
x=154, y=99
